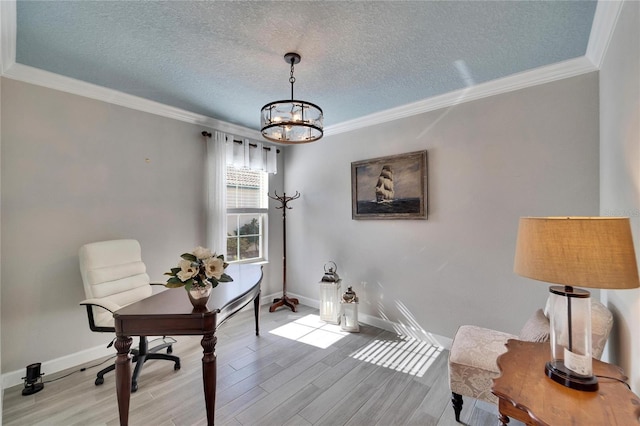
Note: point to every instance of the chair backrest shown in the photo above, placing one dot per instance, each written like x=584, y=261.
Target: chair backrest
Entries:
x=601, y=324
x=113, y=271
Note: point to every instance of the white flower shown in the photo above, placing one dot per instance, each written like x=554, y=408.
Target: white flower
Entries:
x=213, y=267
x=202, y=252
x=187, y=270
x=198, y=269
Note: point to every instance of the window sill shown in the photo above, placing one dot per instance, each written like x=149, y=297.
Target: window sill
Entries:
x=250, y=262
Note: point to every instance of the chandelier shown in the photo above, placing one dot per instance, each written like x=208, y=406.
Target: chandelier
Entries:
x=291, y=121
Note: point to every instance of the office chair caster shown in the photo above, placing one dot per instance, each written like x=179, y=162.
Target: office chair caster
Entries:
x=99, y=381
x=176, y=366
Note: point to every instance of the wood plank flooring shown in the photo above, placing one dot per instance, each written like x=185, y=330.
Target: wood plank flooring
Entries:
x=299, y=372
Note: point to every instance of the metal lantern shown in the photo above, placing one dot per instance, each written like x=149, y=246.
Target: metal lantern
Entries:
x=330, y=294
x=349, y=305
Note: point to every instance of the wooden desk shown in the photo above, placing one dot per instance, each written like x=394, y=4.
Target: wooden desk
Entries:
x=170, y=313
x=525, y=392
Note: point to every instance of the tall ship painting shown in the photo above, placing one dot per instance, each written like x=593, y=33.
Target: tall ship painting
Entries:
x=392, y=187
x=384, y=187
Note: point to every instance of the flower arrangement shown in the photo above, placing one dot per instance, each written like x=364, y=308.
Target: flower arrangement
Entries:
x=198, y=269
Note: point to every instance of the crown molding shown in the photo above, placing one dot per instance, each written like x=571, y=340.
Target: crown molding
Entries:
x=570, y=68
x=537, y=76
x=604, y=22
x=54, y=81
x=7, y=34
x=10, y=69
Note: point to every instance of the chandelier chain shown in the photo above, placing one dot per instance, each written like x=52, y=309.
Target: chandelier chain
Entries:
x=292, y=79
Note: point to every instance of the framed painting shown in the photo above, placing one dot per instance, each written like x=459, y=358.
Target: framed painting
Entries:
x=392, y=187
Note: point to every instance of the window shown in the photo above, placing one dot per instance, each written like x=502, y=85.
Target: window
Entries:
x=247, y=208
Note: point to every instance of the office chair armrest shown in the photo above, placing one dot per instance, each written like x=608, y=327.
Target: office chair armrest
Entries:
x=105, y=304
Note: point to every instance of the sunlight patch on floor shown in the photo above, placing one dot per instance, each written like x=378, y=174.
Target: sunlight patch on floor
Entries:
x=312, y=331
x=406, y=355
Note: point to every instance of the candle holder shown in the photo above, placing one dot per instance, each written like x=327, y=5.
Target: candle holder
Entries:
x=349, y=308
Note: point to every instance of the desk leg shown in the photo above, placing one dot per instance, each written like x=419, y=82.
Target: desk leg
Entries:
x=209, y=375
x=256, y=311
x=123, y=377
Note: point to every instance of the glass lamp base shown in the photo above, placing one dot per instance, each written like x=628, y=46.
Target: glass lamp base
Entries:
x=557, y=372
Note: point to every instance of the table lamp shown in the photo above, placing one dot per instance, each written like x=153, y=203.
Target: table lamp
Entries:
x=593, y=252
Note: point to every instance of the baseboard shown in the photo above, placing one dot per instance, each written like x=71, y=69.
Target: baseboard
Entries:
x=404, y=330
x=14, y=378
x=401, y=329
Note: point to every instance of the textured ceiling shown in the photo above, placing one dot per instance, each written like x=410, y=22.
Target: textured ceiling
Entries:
x=225, y=59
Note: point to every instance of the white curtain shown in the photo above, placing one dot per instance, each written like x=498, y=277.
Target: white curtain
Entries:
x=251, y=155
x=271, y=162
x=257, y=157
x=217, y=192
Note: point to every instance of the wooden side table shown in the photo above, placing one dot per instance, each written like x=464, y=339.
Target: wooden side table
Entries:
x=526, y=394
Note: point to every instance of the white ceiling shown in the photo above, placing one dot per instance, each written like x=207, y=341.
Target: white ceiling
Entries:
x=225, y=59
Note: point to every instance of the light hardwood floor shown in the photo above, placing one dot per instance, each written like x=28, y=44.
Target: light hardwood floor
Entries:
x=299, y=371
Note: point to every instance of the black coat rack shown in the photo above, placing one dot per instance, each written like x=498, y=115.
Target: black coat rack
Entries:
x=284, y=300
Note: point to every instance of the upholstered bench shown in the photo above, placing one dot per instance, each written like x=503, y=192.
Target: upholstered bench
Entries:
x=474, y=351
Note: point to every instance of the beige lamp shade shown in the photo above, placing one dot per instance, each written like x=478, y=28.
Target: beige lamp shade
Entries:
x=593, y=252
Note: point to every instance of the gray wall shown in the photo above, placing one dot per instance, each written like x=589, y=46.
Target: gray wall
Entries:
x=620, y=172
x=532, y=152
x=76, y=170
x=1, y=370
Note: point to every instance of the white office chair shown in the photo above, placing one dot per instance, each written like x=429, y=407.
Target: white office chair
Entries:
x=115, y=276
